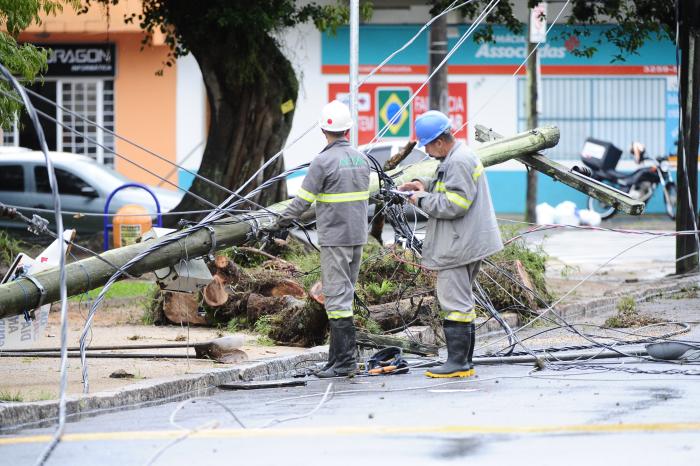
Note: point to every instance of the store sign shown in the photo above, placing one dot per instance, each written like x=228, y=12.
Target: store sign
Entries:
x=81, y=59
x=503, y=55
x=382, y=105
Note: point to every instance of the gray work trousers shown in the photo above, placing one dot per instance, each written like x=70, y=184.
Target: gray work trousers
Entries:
x=340, y=266
x=454, y=292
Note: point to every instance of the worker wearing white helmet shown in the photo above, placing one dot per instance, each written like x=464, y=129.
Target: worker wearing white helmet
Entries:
x=461, y=231
x=338, y=181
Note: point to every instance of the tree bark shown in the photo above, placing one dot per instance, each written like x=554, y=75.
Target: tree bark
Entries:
x=437, y=88
x=247, y=125
x=398, y=314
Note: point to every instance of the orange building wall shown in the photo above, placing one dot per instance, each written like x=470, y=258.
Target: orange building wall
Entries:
x=145, y=109
x=144, y=103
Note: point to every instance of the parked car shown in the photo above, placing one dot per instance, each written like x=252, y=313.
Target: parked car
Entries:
x=83, y=184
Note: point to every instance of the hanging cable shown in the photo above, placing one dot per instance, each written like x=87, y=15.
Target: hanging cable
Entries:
x=53, y=183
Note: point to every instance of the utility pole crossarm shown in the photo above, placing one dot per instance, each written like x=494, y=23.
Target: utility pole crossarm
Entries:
x=578, y=181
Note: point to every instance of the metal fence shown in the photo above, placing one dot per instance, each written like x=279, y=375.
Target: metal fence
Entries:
x=618, y=110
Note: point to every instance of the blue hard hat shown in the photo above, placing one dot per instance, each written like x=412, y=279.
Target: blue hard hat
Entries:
x=430, y=125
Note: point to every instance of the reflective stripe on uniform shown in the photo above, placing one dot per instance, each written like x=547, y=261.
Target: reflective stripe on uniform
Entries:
x=339, y=314
x=306, y=195
x=343, y=197
x=477, y=172
x=459, y=200
x=456, y=316
x=453, y=197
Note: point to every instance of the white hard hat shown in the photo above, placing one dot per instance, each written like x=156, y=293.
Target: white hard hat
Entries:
x=335, y=117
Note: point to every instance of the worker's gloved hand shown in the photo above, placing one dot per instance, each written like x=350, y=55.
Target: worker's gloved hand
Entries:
x=274, y=230
x=273, y=227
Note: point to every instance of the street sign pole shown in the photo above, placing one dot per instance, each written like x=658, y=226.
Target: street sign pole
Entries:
x=354, y=66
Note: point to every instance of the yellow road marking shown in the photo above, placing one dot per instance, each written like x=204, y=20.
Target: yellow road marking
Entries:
x=360, y=430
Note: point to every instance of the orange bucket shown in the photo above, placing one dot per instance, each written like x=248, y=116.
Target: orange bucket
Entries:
x=129, y=224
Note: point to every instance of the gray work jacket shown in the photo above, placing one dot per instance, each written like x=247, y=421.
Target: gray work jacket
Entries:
x=462, y=227
x=338, y=181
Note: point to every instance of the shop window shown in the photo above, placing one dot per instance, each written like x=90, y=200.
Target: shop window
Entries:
x=94, y=100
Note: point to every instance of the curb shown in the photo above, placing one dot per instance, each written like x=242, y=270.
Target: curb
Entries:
x=19, y=415
x=609, y=303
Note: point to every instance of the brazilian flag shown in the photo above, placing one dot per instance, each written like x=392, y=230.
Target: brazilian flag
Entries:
x=389, y=103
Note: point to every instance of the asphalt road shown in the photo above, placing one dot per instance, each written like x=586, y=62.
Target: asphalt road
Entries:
x=508, y=415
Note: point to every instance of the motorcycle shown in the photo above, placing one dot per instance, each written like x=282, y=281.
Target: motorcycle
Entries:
x=600, y=159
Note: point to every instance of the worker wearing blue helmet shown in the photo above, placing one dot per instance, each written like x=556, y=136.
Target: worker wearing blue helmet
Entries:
x=461, y=231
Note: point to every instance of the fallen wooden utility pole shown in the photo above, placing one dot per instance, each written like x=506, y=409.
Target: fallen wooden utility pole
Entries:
x=578, y=181
x=87, y=274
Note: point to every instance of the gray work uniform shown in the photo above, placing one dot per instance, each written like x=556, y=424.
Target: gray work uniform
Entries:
x=461, y=230
x=338, y=181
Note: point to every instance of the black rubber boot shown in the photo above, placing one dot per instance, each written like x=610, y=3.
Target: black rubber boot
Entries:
x=458, y=347
x=343, y=342
x=472, y=337
x=331, y=356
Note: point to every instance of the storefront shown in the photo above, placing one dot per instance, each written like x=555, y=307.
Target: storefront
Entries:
x=613, y=100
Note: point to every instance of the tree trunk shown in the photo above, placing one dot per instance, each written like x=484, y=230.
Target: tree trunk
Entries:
x=246, y=123
x=402, y=313
x=437, y=87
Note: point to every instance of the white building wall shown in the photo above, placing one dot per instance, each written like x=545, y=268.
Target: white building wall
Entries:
x=191, y=113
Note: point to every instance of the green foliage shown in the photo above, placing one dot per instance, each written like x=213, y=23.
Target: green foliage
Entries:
x=10, y=396
x=309, y=264
x=628, y=315
x=9, y=247
x=26, y=60
x=44, y=396
x=245, y=26
x=501, y=282
x=626, y=304
x=263, y=326
x=368, y=324
x=122, y=290
x=388, y=273
x=534, y=259
x=243, y=258
x=237, y=324
x=633, y=22
x=376, y=291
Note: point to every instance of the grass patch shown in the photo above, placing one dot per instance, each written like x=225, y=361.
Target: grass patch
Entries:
x=122, y=289
x=687, y=293
x=308, y=263
x=628, y=315
x=9, y=247
x=368, y=324
x=263, y=326
x=152, y=307
x=11, y=396
x=237, y=324
x=44, y=396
